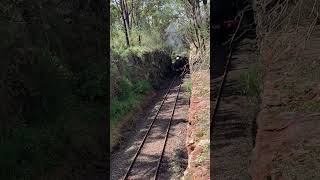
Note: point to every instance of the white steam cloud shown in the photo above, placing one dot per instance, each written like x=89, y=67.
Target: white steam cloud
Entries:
x=173, y=39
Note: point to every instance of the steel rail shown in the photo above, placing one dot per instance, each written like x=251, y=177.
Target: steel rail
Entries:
x=146, y=135
x=167, y=133
x=217, y=102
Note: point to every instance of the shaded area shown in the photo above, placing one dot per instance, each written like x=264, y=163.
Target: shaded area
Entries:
x=230, y=134
x=53, y=90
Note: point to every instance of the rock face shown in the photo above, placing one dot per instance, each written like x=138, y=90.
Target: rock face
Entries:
x=287, y=140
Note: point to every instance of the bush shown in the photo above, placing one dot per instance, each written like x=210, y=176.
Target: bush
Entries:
x=129, y=99
x=142, y=87
x=150, y=40
x=251, y=83
x=188, y=86
x=125, y=88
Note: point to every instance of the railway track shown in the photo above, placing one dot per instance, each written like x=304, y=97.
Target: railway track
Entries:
x=154, y=120
x=230, y=126
x=223, y=81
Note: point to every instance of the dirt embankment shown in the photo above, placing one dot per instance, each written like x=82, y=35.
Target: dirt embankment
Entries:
x=287, y=140
x=198, y=130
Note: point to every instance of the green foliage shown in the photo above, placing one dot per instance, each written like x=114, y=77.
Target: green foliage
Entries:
x=187, y=86
x=150, y=20
x=137, y=50
x=133, y=50
x=117, y=39
x=150, y=40
x=142, y=87
x=130, y=97
x=119, y=108
x=251, y=83
x=204, y=154
x=251, y=86
x=125, y=88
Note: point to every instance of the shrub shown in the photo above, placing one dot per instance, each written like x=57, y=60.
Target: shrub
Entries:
x=142, y=87
x=129, y=99
x=188, y=86
x=125, y=87
x=251, y=83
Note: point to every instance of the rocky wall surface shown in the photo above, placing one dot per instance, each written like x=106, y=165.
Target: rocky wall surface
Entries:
x=288, y=121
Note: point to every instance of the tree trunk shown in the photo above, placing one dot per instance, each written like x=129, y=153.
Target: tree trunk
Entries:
x=196, y=32
x=126, y=12
x=139, y=39
x=124, y=23
x=137, y=21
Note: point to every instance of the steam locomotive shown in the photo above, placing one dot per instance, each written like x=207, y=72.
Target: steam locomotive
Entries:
x=181, y=65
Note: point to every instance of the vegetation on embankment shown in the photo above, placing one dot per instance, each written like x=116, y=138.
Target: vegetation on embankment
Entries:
x=250, y=83
x=53, y=90
x=188, y=86
x=133, y=77
x=131, y=96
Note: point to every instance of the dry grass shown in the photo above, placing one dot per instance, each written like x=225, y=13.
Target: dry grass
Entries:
x=203, y=120
x=285, y=26
x=201, y=83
